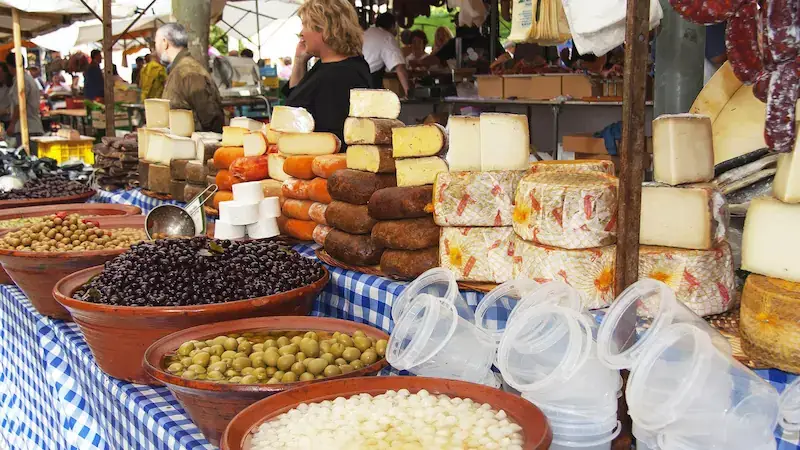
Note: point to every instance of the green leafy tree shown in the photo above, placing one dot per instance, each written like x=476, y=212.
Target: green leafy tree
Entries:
x=218, y=39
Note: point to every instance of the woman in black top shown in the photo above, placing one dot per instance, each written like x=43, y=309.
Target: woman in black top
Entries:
x=330, y=33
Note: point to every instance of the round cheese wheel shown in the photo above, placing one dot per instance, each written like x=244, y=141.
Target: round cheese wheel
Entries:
x=574, y=165
x=770, y=322
x=567, y=210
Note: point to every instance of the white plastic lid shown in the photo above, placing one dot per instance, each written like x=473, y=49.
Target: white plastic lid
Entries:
x=421, y=332
x=494, y=311
x=437, y=282
x=790, y=407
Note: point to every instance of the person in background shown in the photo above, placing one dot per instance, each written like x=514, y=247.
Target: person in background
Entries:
x=285, y=72
x=233, y=53
x=137, y=70
x=419, y=41
x=246, y=53
x=716, y=54
x=440, y=38
x=36, y=73
x=189, y=85
x=331, y=33
x=383, y=53
x=57, y=86
x=405, y=41
x=32, y=95
x=152, y=78
x=474, y=49
x=5, y=94
x=93, y=87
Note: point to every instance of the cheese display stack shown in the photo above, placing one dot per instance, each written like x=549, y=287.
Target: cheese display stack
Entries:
x=684, y=219
x=770, y=310
x=304, y=195
x=249, y=214
x=474, y=201
x=241, y=157
x=565, y=217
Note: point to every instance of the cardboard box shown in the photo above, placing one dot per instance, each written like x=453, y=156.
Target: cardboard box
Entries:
x=579, y=86
x=586, y=146
x=490, y=86
x=532, y=87
x=393, y=84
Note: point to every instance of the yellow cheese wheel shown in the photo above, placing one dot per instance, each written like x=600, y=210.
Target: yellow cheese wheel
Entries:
x=770, y=322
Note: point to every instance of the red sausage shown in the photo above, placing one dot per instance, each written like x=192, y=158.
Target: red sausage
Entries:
x=706, y=12
x=782, y=25
x=741, y=42
x=783, y=92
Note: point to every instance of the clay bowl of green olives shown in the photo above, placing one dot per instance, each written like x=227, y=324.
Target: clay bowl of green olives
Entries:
x=217, y=370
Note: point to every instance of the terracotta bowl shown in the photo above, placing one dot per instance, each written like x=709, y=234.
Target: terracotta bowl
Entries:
x=110, y=329
x=35, y=273
x=212, y=405
x=535, y=429
x=78, y=198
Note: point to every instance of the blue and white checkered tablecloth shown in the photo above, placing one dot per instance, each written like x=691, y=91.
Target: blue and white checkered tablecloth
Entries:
x=53, y=395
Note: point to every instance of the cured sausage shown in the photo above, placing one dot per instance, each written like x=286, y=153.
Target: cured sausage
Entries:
x=706, y=12
x=783, y=92
x=761, y=85
x=741, y=42
x=782, y=25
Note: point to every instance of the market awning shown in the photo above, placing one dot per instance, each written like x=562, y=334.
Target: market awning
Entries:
x=241, y=18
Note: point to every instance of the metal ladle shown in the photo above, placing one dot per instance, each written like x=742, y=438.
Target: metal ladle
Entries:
x=174, y=221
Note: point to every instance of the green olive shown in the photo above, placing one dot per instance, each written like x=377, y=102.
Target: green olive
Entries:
x=319, y=377
x=298, y=368
x=216, y=349
x=380, y=347
x=260, y=373
x=332, y=371
x=273, y=381
x=214, y=359
x=357, y=364
x=230, y=344
x=336, y=335
x=214, y=375
x=300, y=356
x=228, y=354
x=201, y=358
x=271, y=359
x=283, y=340
x=362, y=343
x=278, y=375
x=296, y=340
x=249, y=379
x=345, y=340
x=197, y=368
x=258, y=361
x=241, y=355
x=337, y=349
x=359, y=333
x=175, y=367
x=231, y=373
x=245, y=347
x=270, y=343
x=351, y=354
x=317, y=366
x=218, y=366
x=220, y=340
x=258, y=347
x=289, y=377
x=311, y=335
x=325, y=347
x=340, y=361
x=186, y=361
x=310, y=347
x=240, y=363
x=199, y=345
x=285, y=362
x=369, y=357
x=247, y=371
x=306, y=376
x=347, y=368
x=235, y=379
x=271, y=371
x=189, y=375
x=185, y=348
x=290, y=349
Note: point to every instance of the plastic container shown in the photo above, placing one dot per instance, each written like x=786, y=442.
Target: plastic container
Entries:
x=63, y=150
x=592, y=386
x=790, y=407
x=645, y=439
x=437, y=282
x=432, y=340
x=670, y=441
x=495, y=309
x=590, y=442
x=638, y=316
x=684, y=381
x=565, y=413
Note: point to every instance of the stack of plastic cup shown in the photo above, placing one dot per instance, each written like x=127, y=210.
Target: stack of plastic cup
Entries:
x=547, y=352
x=790, y=407
x=436, y=282
x=685, y=389
x=431, y=339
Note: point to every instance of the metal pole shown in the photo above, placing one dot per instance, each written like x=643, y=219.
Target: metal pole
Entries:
x=108, y=68
x=258, y=30
x=680, y=54
x=23, y=105
x=494, y=25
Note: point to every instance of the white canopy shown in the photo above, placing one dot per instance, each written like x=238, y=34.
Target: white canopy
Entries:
x=239, y=17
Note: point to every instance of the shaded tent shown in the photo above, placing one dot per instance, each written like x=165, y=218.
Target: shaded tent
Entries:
x=249, y=18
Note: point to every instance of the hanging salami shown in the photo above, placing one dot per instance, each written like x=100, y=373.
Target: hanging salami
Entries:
x=782, y=28
x=781, y=104
x=761, y=85
x=706, y=12
x=741, y=42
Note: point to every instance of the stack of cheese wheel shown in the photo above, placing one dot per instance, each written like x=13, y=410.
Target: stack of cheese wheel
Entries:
x=302, y=190
x=369, y=168
x=474, y=201
x=241, y=158
x=396, y=219
x=249, y=214
x=684, y=219
x=770, y=312
x=171, y=153
x=565, y=218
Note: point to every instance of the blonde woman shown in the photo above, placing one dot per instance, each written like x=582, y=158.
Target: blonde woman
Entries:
x=331, y=34
x=441, y=37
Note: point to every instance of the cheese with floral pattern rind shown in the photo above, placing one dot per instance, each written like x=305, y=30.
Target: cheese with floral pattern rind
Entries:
x=574, y=165
x=702, y=279
x=478, y=254
x=475, y=199
x=590, y=271
x=567, y=209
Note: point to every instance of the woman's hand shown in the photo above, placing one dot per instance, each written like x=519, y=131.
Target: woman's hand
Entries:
x=300, y=53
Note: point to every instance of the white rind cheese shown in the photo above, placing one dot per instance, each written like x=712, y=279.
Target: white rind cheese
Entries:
x=163, y=148
x=255, y=144
x=227, y=231
x=249, y=192
x=574, y=165
x=233, y=136
x=419, y=171
x=275, y=162
x=287, y=119
x=263, y=229
x=375, y=103
x=156, y=112
x=181, y=122
x=418, y=140
x=679, y=217
x=505, y=141
x=246, y=122
x=144, y=135
x=683, y=149
x=309, y=144
x=464, y=150
x=269, y=207
x=786, y=185
x=771, y=243
x=238, y=213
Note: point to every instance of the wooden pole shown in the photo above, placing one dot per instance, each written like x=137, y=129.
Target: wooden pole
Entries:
x=23, y=105
x=108, y=68
x=631, y=168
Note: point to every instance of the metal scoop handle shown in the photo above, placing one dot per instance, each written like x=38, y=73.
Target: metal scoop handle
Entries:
x=213, y=188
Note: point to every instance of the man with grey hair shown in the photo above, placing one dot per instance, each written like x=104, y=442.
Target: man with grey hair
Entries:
x=189, y=85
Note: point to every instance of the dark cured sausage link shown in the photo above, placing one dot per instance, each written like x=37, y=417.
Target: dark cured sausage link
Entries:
x=761, y=86
x=764, y=43
x=783, y=92
x=782, y=23
x=706, y=12
x=741, y=42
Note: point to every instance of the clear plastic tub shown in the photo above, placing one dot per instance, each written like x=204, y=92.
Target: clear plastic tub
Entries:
x=685, y=382
x=597, y=442
x=544, y=346
x=437, y=282
x=586, y=428
x=591, y=384
x=638, y=316
x=671, y=441
x=431, y=339
x=790, y=407
x=565, y=413
x=645, y=439
x=494, y=311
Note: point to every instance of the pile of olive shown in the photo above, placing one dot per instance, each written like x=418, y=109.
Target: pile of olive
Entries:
x=21, y=222
x=69, y=233
x=276, y=357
